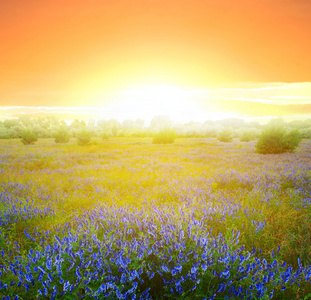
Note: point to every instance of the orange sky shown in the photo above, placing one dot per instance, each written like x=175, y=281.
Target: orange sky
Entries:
x=63, y=52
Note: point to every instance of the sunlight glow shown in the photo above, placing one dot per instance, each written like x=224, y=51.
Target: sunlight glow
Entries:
x=147, y=101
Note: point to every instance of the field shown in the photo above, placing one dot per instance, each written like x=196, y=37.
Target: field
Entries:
x=126, y=219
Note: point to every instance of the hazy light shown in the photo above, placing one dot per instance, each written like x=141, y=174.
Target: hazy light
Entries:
x=181, y=104
x=148, y=101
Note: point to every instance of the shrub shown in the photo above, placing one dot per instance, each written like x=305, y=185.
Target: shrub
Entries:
x=105, y=134
x=275, y=139
x=83, y=136
x=28, y=137
x=62, y=135
x=225, y=135
x=247, y=136
x=292, y=139
x=4, y=133
x=305, y=133
x=165, y=136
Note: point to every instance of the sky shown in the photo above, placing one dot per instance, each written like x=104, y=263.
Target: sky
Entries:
x=128, y=59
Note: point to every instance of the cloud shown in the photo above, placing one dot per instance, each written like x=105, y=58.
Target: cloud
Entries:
x=270, y=93
x=254, y=100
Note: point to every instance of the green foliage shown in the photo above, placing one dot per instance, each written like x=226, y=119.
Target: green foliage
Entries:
x=83, y=136
x=9, y=123
x=305, y=133
x=3, y=133
x=62, y=135
x=28, y=137
x=189, y=198
x=112, y=126
x=276, y=139
x=292, y=139
x=164, y=136
x=160, y=122
x=225, y=135
x=39, y=131
x=247, y=136
x=106, y=134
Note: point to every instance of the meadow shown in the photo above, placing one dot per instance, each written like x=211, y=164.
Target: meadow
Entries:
x=123, y=218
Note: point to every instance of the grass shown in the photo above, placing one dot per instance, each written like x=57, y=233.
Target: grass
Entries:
x=179, y=202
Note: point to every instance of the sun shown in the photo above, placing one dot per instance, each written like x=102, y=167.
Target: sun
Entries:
x=150, y=100
x=178, y=103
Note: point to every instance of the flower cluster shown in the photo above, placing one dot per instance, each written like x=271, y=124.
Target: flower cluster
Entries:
x=113, y=225
x=130, y=254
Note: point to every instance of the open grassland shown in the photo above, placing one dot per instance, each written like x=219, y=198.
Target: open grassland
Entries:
x=127, y=219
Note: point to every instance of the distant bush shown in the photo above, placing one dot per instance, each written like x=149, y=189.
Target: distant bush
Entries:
x=276, y=139
x=62, y=135
x=83, y=136
x=39, y=131
x=305, y=133
x=4, y=133
x=292, y=139
x=28, y=137
x=105, y=134
x=10, y=133
x=165, y=136
x=225, y=135
x=247, y=136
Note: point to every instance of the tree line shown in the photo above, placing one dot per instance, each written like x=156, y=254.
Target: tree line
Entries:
x=161, y=128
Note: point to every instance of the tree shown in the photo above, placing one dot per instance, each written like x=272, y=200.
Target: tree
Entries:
x=232, y=122
x=225, y=135
x=25, y=120
x=83, y=136
x=247, y=136
x=4, y=134
x=105, y=134
x=62, y=135
x=39, y=131
x=160, y=122
x=139, y=123
x=276, y=139
x=164, y=136
x=28, y=137
x=9, y=123
x=112, y=126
